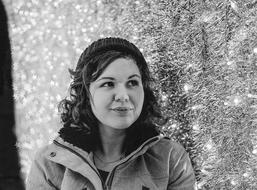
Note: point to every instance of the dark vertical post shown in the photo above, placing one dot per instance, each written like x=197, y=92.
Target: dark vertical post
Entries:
x=10, y=178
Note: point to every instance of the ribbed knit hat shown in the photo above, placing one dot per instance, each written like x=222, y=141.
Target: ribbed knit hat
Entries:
x=112, y=43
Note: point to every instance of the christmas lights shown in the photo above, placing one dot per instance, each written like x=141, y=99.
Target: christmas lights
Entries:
x=203, y=55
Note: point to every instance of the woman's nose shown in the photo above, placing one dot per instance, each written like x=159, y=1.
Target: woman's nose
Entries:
x=121, y=94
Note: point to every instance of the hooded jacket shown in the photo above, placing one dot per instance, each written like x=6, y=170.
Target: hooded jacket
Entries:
x=158, y=163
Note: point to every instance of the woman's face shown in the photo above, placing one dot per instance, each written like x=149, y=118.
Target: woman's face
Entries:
x=117, y=94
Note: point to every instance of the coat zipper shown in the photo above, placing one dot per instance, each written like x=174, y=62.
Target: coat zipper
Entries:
x=74, y=152
x=109, y=182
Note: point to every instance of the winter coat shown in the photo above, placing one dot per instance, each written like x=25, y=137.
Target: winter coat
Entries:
x=159, y=163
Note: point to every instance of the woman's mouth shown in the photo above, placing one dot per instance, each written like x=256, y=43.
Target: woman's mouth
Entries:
x=122, y=110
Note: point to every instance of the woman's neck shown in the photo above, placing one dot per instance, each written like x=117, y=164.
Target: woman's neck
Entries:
x=111, y=142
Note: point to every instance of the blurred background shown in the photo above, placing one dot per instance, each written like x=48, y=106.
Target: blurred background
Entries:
x=203, y=55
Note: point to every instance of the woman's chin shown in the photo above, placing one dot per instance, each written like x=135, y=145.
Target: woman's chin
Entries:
x=120, y=127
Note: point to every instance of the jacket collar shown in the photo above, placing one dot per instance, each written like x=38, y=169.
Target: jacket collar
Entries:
x=81, y=139
x=59, y=142
x=68, y=154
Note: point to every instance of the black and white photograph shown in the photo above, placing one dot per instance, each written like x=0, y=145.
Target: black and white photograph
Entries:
x=128, y=95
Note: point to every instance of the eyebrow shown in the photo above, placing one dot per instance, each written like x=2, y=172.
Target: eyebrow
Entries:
x=111, y=78
x=135, y=75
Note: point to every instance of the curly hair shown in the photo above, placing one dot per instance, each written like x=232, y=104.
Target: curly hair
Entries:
x=76, y=110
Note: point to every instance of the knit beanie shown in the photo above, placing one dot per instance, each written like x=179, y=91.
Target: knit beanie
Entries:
x=112, y=43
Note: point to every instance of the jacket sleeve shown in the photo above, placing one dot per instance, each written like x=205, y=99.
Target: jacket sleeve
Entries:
x=43, y=174
x=181, y=172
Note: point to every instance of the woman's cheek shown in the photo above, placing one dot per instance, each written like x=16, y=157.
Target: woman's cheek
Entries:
x=102, y=98
x=138, y=98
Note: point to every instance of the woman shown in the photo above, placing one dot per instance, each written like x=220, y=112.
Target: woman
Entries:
x=109, y=139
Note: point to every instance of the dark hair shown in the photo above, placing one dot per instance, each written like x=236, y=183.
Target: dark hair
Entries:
x=76, y=111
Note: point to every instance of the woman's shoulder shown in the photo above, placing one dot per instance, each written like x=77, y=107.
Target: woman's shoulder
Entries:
x=42, y=158
x=168, y=145
x=43, y=169
x=45, y=157
x=44, y=151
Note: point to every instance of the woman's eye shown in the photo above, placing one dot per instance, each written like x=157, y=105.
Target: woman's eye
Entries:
x=107, y=84
x=133, y=83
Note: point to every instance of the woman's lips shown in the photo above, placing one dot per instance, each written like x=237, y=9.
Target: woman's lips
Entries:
x=122, y=110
